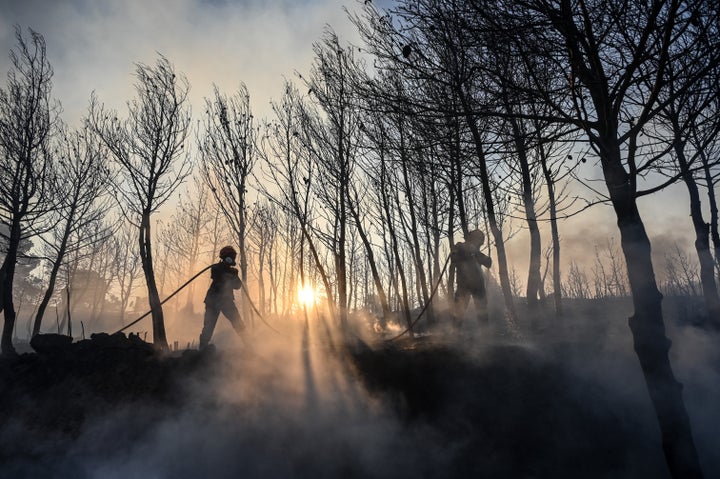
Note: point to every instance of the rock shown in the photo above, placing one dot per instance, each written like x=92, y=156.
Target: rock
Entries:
x=50, y=343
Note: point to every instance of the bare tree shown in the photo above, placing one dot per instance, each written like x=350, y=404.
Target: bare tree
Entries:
x=576, y=284
x=600, y=55
x=609, y=277
x=681, y=275
x=546, y=149
x=435, y=55
x=185, y=231
x=86, y=271
x=126, y=265
x=148, y=147
x=691, y=128
x=291, y=169
x=262, y=236
x=710, y=159
x=332, y=138
x=28, y=120
x=80, y=190
x=228, y=149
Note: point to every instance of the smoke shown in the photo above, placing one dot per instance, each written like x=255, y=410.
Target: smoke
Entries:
x=568, y=399
x=283, y=407
x=696, y=358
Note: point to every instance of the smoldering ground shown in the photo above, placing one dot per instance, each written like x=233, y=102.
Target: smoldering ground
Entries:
x=563, y=400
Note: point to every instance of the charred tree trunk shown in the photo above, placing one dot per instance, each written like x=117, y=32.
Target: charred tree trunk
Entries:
x=647, y=324
x=554, y=233
x=432, y=228
x=712, y=201
x=242, y=253
x=403, y=296
x=702, y=237
x=490, y=209
x=534, y=278
x=341, y=261
x=158, y=320
x=413, y=229
x=7, y=274
x=377, y=281
x=49, y=292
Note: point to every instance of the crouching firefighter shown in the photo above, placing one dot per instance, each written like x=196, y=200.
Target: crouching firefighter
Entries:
x=220, y=298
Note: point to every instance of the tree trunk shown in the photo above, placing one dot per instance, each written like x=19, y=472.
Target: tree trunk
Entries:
x=712, y=202
x=2, y=285
x=242, y=253
x=373, y=265
x=69, y=317
x=158, y=320
x=46, y=297
x=341, y=261
x=702, y=240
x=7, y=274
x=534, y=279
x=503, y=272
x=54, y=272
x=340, y=246
x=261, y=280
x=421, y=282
x=554, y=233
x=395, y=252
x=647, y=325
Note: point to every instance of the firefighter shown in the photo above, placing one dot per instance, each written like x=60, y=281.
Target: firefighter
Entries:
x=468, y=261
x=220, y=297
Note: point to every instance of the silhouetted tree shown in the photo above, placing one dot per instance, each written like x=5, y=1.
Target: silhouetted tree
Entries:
x=80, y=188
x=688, y=122
x=600, y=55
x=148, y=147
x=228, y=153
x=552, y=151
x=331, y=123
x=28, y=120
x=262, y=235
x=185, y=231
x=435, y=53
x=126, y=264
x=289, y=166
x=709, y=160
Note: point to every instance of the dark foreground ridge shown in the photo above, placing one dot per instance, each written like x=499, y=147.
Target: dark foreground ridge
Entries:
x=66, y=383
x=48, y=397
x=508, y=413
x=498, y=409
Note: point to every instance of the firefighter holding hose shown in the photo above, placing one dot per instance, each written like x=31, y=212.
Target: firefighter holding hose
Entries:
x=468, y=261
x=220, y=296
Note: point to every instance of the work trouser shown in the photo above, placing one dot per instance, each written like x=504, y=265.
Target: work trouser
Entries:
x=212, y=311
x=462, y=298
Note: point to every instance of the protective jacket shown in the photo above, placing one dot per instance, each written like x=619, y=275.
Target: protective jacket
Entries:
x=224, y=280
x=467, y=259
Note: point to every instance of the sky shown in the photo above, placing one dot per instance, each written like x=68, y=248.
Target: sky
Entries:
x=93, y=45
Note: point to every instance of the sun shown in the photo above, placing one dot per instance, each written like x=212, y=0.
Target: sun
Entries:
x=306, y=295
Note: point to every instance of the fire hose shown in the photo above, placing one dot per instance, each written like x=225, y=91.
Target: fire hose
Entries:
x=183, y=287
x=427, y=304
x=164, y=300
x=420, y=315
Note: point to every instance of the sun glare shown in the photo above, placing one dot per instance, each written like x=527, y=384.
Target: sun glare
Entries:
x=306, y=295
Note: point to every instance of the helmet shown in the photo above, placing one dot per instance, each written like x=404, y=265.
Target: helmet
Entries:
x=227, y=251
x=475, y=235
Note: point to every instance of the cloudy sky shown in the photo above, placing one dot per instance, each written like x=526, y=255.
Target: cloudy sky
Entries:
x=92, y=45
